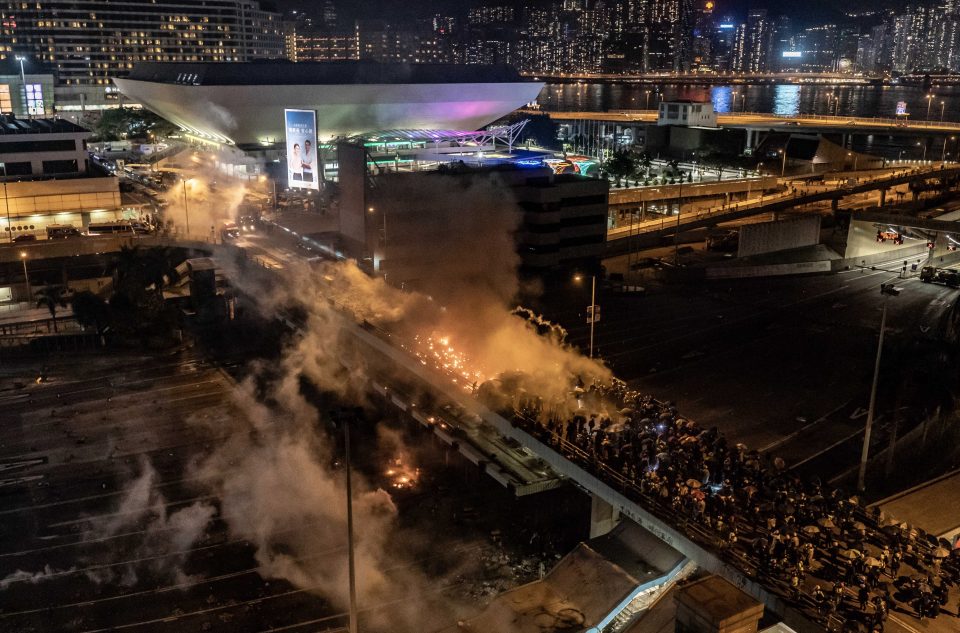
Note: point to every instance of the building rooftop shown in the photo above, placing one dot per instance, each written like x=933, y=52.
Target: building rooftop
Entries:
x=12, y=125
x=285, y=73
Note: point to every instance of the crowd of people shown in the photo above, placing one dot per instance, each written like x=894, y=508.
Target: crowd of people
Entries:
x=818, y=548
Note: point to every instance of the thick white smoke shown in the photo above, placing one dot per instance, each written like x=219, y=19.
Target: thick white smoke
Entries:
x=203, y=196
x=167, y=536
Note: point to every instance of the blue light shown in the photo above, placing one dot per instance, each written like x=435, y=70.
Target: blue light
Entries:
x=725, y=27
x=530, y=162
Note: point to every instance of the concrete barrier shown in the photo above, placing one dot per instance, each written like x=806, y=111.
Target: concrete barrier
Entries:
x=768, y=270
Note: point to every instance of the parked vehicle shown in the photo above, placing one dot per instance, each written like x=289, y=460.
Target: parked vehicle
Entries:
x=946, y=276
x=62, y=231
x=118, y=226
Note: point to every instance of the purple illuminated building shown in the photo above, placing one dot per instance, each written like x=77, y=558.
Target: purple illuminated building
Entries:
x=243, y=104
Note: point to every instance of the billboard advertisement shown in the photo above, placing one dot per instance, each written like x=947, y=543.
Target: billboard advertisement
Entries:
x=301, y=132
x=901, y=108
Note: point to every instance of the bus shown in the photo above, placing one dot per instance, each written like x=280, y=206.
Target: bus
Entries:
x=131, y=227
x=62, y=231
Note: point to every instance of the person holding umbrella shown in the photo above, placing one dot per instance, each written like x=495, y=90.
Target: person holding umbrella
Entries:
x=863, y=595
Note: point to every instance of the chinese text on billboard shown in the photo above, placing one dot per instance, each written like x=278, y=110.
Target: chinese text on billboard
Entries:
x=301, y=131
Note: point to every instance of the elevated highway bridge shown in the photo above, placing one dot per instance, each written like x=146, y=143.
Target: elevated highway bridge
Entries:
x=650, y=231
x=810, y=123
x=459, y=415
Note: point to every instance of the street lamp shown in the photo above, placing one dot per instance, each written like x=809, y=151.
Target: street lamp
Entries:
x=676, y=235
x=26, y=275
x=647, y=107
x=929, y=103
x=887, y=290
x=856, y=158
x=943, y=152
x=924, y=150
x=344, y=418
x=23, y=82
x=593, y=310
x=186, y=208
x=942, y=105
x=6, y=203
x=783, y=164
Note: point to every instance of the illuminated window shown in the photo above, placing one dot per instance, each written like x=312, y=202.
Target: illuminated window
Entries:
x=35, y=99
x=6, y=105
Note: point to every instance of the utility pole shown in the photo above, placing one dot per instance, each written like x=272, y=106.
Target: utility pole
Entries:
x=345, y=418
x=186, y=209
x=593, y=309
x=887, y=290
x=6, y=203
x=676, y=235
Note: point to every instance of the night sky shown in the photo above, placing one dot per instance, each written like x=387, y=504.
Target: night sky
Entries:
x=807, y=12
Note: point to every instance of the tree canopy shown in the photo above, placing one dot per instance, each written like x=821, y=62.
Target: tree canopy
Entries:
x=122, y=123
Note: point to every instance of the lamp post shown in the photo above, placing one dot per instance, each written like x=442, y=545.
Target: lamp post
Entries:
x=929, y=103
x=942, y=106
x=343, y=418
x=924, y=150
x=6, y=203
x=593, y=312
x=26, y=275
x=856, y=158
x=887, y=290
x=186, y=208
x=676, y=235
x=647, y=107
x=23, y=84
x=783, y=163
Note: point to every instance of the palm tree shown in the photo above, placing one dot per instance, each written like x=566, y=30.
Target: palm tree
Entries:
x=620, y=165
x=674, y=166
x=158, y=267
x=91, y=311
x=52, y=297
x=646, y=163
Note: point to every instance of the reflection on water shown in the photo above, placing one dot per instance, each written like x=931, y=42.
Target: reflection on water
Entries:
x=722, y=98
x=787, y=99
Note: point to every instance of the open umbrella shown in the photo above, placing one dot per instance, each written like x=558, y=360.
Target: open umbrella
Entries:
x=693, y=483
x=810, y=529
x=826, y=522
x=626, y=411
x=940, y=552
x=858, y=526
x=850, y=554
x=870, y=561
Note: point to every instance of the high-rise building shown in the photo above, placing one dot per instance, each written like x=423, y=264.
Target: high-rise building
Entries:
x=89, y=42
x=702, y=37
x=758, y=35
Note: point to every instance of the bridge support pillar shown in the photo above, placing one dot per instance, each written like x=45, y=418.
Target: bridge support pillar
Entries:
x=749, y=138
x=883, y=197
x=603, y=517
x=835, y=204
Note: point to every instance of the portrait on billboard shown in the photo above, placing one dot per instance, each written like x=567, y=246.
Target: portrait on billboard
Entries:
x=301, y=133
